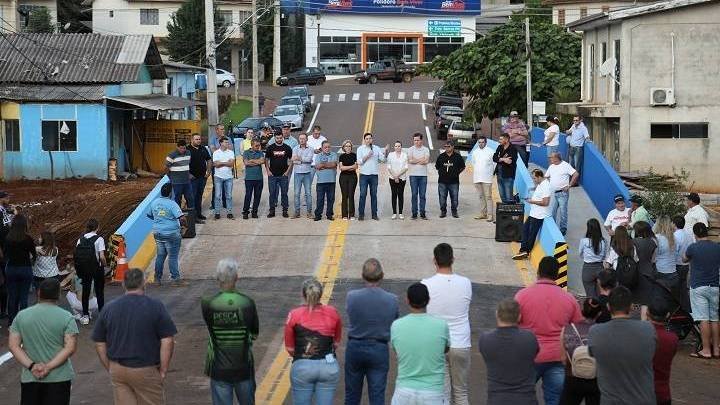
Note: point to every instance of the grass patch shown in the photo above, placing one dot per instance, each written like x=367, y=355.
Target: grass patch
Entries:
x=237, y=112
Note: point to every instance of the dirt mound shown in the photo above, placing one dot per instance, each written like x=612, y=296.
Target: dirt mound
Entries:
x=64, y=206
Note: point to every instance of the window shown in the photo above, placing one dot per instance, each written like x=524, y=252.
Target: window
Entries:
x=226, y=17
x=583, y=12
x=679, y=131
x=603, y=52
x=561, y=17
x=111, y=13
x=245, y=16
x=59, y=136
x=442, y=46
x=616, y=53
x=12, y=135
x=149, y=16
x=591, y=72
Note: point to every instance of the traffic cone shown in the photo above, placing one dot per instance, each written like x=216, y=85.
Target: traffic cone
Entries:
x=121, y=265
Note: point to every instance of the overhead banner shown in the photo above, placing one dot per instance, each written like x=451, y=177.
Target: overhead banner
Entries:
x=425, y=7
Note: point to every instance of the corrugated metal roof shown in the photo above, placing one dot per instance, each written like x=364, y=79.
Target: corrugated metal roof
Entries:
x=35, y=92
x=75, y=58
x=158, y=102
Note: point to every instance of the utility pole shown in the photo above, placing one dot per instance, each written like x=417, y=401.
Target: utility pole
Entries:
x=255, y=84
x=528, y=72
x=276, y=41
x=212, y=97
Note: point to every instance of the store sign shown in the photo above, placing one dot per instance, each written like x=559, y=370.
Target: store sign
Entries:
x=424, y=7
x=443, y=28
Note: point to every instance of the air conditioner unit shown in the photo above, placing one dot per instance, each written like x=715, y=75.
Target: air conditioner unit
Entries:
x=662, y=96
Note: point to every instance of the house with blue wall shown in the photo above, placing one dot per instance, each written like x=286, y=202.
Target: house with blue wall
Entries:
x=68, y=102
x=180, y=82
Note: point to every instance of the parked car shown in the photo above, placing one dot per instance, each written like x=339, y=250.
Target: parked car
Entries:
x=444, y=116
x=224, y=78
x=292, y=100
x=395, y=70
x=257, y=123
x=306, y=75
x=294, y=114
x=444, y=96
x=462, y=133
x=302, y=92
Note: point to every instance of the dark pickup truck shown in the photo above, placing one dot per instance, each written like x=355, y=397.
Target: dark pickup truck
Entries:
x=394, y=70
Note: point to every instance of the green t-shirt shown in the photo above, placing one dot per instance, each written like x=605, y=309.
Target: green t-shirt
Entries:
x=420, y=341
x=42, y=328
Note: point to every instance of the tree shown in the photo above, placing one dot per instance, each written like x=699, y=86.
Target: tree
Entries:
x=40, y=21
x=186, y=33
x=265, y=39
x=491, y=70
x=71, y=14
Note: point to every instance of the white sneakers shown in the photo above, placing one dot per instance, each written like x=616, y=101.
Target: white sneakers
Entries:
x=401, y=216
x=85, y=320
x=398, y=216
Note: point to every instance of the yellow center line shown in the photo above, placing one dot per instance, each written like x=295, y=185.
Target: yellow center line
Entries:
x=275, y=385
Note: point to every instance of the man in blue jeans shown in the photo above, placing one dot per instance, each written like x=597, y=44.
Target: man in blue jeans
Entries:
x=506, y=157
x=369, y=157
x=325, y=164
x=577, y=135
x=224, y=162
x=562, y=176
x=254, y=160
x=302, y=158
x=449, y=165
x=418, y=159
x=177, y=166
x=371, y=312
x=279, y=167
x=166, y=216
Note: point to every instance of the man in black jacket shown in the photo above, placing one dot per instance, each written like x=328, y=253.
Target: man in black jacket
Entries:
x=506, y=157
x=449, y=166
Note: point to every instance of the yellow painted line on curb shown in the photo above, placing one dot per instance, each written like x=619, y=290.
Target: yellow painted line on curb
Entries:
x=275, y=385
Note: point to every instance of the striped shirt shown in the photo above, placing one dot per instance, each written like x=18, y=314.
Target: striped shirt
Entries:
x=179, y=167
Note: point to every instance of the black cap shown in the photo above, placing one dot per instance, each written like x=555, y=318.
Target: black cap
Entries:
x=286, y=125
x=619, y=198
x=636, y=199
x=4, y=194
x=694, y=197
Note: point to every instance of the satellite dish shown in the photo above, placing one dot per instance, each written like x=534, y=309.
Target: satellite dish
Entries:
x=608, y=68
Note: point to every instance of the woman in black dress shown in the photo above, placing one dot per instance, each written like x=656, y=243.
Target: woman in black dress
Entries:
x=646, y=247
x=348, y=180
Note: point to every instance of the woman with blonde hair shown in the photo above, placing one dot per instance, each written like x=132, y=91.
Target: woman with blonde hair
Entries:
x=312, y=334
x=45, y=265
x=667, y=274
x=348, y=179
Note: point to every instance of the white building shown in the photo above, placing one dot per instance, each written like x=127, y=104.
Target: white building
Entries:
x=567, y=11
x=347, y=36
x=649, y=91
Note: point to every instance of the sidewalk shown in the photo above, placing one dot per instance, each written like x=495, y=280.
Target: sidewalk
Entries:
x=580, y=209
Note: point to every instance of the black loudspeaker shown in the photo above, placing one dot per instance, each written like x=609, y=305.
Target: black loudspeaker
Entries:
x=188, y=231
x=509, y=222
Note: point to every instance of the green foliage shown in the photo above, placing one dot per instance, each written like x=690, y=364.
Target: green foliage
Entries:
x=536, y=11
x=237, y=112
x=186, y=33
x=71, y=13
x=492, y=69
x=40, y=21
x=265, y=40
x=664, y=196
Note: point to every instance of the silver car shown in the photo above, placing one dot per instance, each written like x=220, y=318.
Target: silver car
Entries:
x=294, y=114
x=303, y=92
x=462, y=133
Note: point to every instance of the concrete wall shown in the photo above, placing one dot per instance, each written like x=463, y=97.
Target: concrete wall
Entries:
x=596, y=89
x=126, y=16
x=573, y=10
x=697, y=63
x=90, y=159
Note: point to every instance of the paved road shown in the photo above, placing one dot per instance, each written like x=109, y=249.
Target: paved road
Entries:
x=277, y=254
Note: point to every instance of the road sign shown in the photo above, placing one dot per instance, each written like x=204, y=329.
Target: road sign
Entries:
x=443, y=28
x=538, y=107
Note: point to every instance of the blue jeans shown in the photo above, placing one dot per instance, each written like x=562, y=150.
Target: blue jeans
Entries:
x=18, y=280
x=559, y=201
x=366, y=359
x=325, y=191
x=303, y=180
x=575, y=157
x=553, y=379
x=443, y=191
x=551, y=149
x=418, y=189
x=223, y=186
x=505, y=188
x=222, y=392
x=184, y=190
x=253, y=191
x=168, y=246
x=278, y=184
x=409, y=396
x=365, y=181
x=198, y=187
x=530, y=231
x=317, y=378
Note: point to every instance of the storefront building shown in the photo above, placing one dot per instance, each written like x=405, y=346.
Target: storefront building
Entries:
x=349, y=35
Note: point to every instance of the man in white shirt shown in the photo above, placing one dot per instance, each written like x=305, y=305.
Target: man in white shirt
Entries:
x=539, y=210
x=450, y=297
x=562, y=176
x=224, y=161
x=369, y=158
x=483, y=171
x=695, y=213
x=418, y=159
x=316, y=139
x=620, y=216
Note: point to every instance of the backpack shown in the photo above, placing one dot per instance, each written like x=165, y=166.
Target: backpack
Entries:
x=85, y=257
x=581, y=363
x=627, y=272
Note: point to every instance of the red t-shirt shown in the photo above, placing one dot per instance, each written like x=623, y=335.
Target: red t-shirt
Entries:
x=545, y=309
x=312, y=334
x=667, y=343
